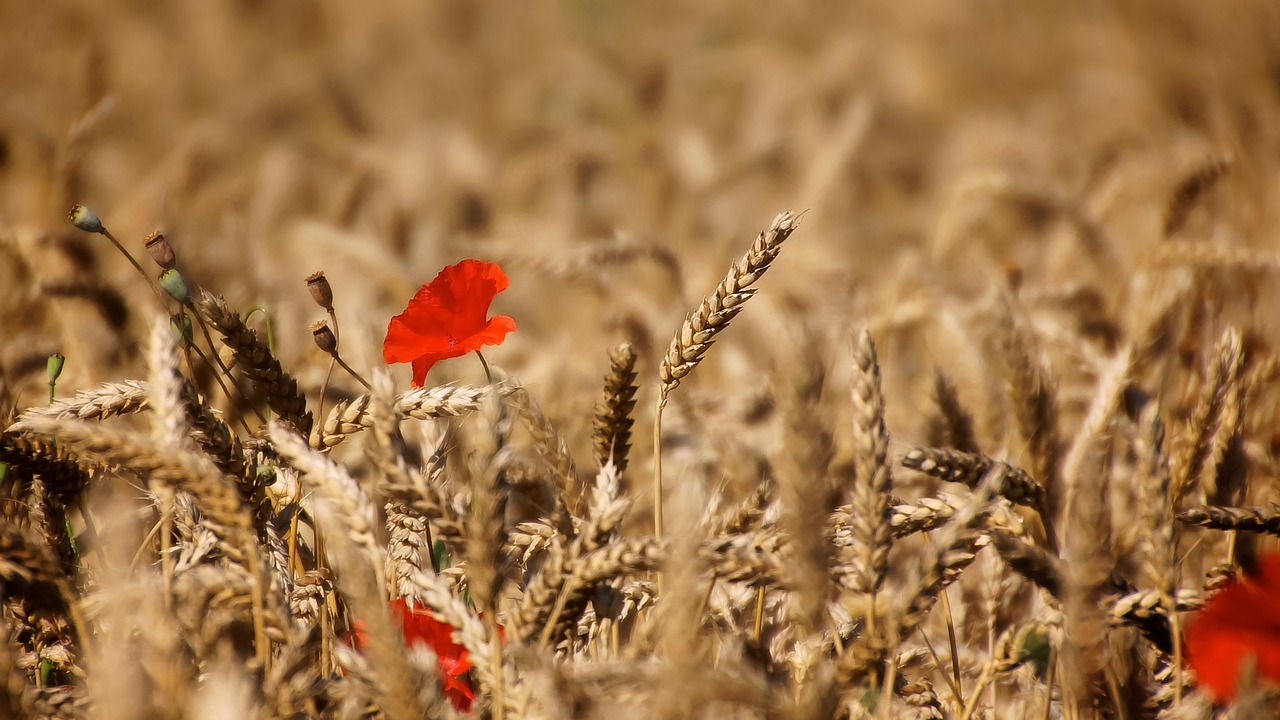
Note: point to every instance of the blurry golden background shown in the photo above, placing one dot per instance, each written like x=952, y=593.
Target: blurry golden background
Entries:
x=615, y=158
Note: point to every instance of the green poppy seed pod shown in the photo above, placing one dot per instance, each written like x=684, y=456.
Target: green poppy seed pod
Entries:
x=54, y=366
x=161, y=251
x=324, y=337
x=180, y=326
x=318, y=284
x=172, y=282
x=85, y=219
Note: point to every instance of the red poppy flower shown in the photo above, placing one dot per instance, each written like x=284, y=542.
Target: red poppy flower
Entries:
x=421, y=628
x=446, y=319
x=1241, y=623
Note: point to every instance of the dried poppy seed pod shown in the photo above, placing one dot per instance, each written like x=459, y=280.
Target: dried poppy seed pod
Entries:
x=180, y=326
x=318, y=284
x=54, y=366
x=85, y=219
x=172, y=282
x=324, y=337
x=161, y=251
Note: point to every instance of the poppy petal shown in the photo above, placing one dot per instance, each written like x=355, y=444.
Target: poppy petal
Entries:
x=493, y=333
x=1241, y=622
x=459, y=692
x=421, y=366
x=446, y=318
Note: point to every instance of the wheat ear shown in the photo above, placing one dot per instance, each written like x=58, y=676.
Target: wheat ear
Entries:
x=873, y=481
x=611, y=426
x=257, y=361
x=106, y=400
x=1198, y=183
x=699, y=331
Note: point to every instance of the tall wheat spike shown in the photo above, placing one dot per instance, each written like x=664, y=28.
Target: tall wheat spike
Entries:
x=611, y=426
x=700, y=329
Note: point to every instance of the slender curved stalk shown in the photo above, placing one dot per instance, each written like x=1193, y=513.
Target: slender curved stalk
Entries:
x=657, y=470
x=488, y=374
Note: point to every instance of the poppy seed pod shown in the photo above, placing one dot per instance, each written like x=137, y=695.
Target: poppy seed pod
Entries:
x=54, y=366
x=321, y=292
x=161, y=251
x=172, y=282
x=85, y=219
x=180, y=326
x=324, y=337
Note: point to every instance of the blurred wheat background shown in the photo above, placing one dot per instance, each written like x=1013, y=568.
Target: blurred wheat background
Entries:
x=1016, y=194
x=935, y=145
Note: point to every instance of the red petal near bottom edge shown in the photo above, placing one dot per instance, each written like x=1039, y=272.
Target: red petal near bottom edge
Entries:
x=458, y=692
x=422, y=366
x=1219, y=656
x=1240, y=623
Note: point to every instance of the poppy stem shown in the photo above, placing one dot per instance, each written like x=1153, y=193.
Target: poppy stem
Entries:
x=213, y=348
x=337, y=334
x=324, y=388
x=150, y=283
x=351, y=372
x=487, y=372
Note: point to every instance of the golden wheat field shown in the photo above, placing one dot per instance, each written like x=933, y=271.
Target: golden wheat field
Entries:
x=910, y=359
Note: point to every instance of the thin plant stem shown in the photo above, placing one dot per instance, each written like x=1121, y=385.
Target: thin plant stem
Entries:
x=657, y=471
x=151, y=535
x=706, y=598
x=1175, y=621
x=326, y=653
x=1113, y=689
x=1051, y=676
x=204, y=328
x=295, y=562
x=350, y=371
x=499, y=702
x=886, y=690
x=150, y=283
x=266, y=320
x=258, y=603
x=166, y=557
x=221, y=384
x=488, y=374
x=951, y=637
x=951, y=642
x=431, y=547
x=324, y=388
x=985, y=678
x=271, y=337
x=561, y=600
x=937, y=662
x=759, y=619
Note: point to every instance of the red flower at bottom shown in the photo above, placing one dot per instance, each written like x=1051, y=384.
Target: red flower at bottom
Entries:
x=1241, y=623
x=446, y=318
x=421, y=628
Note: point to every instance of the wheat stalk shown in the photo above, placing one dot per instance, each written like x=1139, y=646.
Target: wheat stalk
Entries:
x=256, y=360
x=700, y=329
